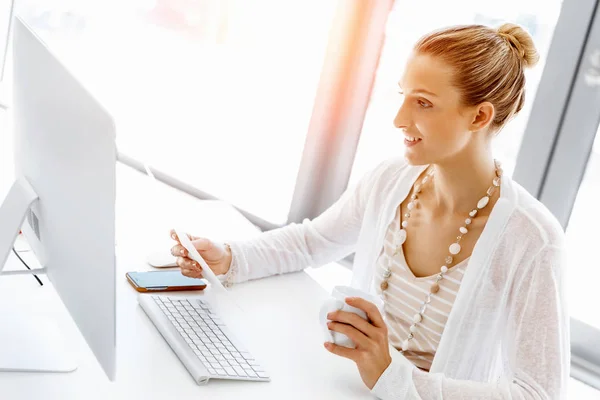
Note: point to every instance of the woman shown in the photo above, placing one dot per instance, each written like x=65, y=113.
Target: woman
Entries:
x=439, y=219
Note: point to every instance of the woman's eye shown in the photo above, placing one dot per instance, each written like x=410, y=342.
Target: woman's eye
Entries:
x=423, y=104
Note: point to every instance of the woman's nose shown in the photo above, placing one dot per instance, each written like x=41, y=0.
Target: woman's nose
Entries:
x=402, y=120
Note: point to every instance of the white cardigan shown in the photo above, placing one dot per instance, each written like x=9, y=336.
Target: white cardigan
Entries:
x=507, y=335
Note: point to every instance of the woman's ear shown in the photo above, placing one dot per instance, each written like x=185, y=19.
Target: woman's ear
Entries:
x=483, y=115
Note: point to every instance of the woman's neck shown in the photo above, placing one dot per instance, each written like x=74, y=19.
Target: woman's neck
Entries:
x=457, y=185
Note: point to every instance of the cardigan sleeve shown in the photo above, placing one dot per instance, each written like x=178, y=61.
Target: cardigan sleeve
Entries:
x=536, y=341
x=327, y=238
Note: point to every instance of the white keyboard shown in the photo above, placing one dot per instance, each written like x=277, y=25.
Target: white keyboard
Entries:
x=200, y=339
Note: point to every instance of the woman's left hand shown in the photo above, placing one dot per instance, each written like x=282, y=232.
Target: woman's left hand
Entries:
x=372, y=354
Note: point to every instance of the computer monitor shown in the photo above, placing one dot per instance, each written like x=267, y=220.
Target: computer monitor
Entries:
x=63, y=200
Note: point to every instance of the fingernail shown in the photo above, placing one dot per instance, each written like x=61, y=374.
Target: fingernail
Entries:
x=174, y=236
x=349, y=299
x=327, y=345
x=329, y=316
x=182, y=251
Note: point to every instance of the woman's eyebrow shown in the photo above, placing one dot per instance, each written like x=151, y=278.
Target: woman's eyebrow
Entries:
x=421, y=91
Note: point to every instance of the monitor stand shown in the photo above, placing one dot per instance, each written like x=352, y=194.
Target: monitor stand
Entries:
x=28, y=341
x=32, y=343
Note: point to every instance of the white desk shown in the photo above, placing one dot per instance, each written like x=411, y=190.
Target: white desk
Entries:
x=279, y=323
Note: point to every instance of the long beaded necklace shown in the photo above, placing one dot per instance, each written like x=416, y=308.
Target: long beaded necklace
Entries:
x=454, y=249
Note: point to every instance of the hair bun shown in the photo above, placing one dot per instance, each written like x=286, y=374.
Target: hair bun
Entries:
x=521, y=41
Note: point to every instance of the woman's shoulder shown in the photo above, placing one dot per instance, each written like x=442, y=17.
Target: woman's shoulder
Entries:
x=533, y=219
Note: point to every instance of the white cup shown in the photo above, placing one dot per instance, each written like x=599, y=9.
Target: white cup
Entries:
x=337, y=301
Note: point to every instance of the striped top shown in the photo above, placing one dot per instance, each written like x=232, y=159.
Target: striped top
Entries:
x=405, y=295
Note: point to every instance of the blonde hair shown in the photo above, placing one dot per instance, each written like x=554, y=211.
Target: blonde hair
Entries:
x=488, y=64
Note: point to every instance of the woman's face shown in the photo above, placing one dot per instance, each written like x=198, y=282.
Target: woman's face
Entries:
x=431, y=112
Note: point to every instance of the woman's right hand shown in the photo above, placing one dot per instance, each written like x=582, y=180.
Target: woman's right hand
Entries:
x=217, y=256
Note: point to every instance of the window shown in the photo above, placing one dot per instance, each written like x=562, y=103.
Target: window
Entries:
x=407, y=22
x=581, y=391
x=216, y=93
x=582, y=241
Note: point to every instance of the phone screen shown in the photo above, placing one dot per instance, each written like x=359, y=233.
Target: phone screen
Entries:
x=154, y=279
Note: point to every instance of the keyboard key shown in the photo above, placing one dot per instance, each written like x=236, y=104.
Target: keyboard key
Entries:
x=211, y=359
x=197, y=341
x=251, y=373
x=224, y=364
x=262, y=374
x=221, y=371
x=258, y=370
x=230, y=371
x=215, y=352
x=240, y=371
